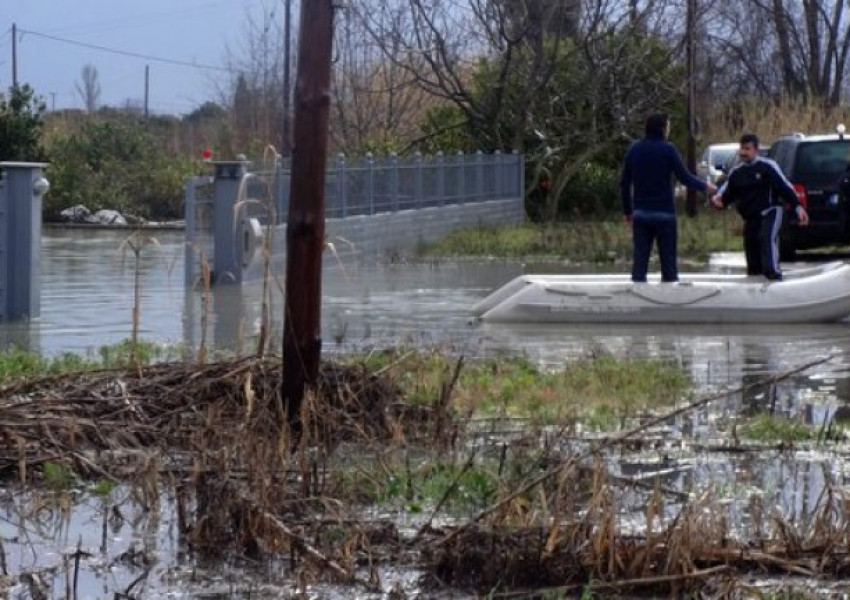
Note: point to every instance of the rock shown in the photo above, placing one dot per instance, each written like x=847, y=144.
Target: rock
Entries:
x=134, y=220
x=108, y=217
x=75, y=214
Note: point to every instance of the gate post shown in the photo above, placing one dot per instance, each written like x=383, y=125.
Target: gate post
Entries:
x=20, y=227
x=498, y=166
x=479, y=175
x=461, y=177
x=341, y=186
x=190, y=234
x=441, y=179
x=227, y=230
x=370, y=181
x=418, y=192
x=394, y=181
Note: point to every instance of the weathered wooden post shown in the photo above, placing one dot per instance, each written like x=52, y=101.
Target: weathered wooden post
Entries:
x=691, y=153
x=305, y=226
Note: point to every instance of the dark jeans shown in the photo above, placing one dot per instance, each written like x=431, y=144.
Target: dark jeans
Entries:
x=647, y=228
x=761, y=243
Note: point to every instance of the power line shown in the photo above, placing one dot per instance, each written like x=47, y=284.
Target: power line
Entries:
x=160, y=59
x=142, y=19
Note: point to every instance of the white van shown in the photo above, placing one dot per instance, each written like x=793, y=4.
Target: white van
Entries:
x=714, y=159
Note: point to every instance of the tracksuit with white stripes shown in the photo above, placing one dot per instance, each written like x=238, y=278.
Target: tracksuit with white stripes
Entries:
x=759, y=190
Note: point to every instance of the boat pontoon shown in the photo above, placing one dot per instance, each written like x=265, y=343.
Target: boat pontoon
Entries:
x=809, y=295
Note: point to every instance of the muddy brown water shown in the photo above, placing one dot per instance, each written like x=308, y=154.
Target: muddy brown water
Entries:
x=87, y=298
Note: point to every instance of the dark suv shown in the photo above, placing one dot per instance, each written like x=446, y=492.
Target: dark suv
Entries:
x=815, y=166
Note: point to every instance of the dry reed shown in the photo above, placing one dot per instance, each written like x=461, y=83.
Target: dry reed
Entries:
x=217, y=435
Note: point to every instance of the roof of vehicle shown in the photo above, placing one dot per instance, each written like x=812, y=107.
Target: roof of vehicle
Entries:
x=831, y=137
x=723, y=146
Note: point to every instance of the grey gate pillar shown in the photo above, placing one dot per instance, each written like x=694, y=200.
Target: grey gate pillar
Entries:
x=227, y=228
x=21, y=189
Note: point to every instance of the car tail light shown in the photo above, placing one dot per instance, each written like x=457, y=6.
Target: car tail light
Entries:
x=801, y=194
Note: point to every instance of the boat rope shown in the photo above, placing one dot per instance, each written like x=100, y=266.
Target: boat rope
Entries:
x=714, y=292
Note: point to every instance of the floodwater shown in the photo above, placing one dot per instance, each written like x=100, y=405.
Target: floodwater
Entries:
x=87, y=301
x=88, y=290
x=88, y=295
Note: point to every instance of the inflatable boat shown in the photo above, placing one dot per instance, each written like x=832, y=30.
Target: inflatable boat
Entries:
x=810, y=295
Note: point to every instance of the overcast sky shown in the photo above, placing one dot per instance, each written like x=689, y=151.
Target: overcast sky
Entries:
x=191, y=31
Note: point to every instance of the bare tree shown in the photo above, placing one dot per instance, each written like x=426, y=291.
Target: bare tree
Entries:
x=377, y=103
x=89, y=87
x=562, y=94
x=254, y=88
x=808, y=40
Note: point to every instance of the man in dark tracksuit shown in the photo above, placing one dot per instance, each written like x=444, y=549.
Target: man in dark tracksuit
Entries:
x=759, y=190
x=646, y=189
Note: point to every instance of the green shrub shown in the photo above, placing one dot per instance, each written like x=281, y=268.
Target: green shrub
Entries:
x=116, y=163
x=593, y=193
x=21, y=124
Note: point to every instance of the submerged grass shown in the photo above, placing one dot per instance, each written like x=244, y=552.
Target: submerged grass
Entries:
x=586, y=241
x=17, y=364
x=597, y=392
x=776, y=428
x=416, y=488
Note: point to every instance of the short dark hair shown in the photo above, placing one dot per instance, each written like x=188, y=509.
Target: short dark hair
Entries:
x=750, y=138
x=656, y=123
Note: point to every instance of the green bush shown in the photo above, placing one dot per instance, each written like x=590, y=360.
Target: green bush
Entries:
x=116, y=163
x=21, y=124
x=593, y=193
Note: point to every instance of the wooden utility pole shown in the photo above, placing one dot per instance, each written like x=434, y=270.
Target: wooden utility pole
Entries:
x=305, y=225
x=691, y=203
x=286, y=142
x=14, y=55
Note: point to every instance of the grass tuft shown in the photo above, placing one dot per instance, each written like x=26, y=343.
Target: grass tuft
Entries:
x=599, y=392
x=775, y=428
x=597, y=242
x=20, y=365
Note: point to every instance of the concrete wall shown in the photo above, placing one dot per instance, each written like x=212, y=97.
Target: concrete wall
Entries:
x=401, y=232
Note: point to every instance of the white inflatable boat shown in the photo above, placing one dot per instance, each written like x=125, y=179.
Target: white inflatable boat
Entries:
x=810, y=295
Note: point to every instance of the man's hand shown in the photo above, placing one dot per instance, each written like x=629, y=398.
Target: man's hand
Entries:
x=710, y=189
x=802, y=216
x=717, y=201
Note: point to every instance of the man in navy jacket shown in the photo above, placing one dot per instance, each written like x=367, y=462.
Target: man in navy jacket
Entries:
x=646, y=189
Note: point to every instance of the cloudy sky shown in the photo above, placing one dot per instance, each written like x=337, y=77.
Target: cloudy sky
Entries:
x=57, y=38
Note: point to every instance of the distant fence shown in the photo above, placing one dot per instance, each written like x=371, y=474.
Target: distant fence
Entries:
x=370, y=185
x=220, y=210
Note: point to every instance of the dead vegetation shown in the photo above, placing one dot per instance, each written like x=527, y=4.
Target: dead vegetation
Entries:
x=554, y=517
